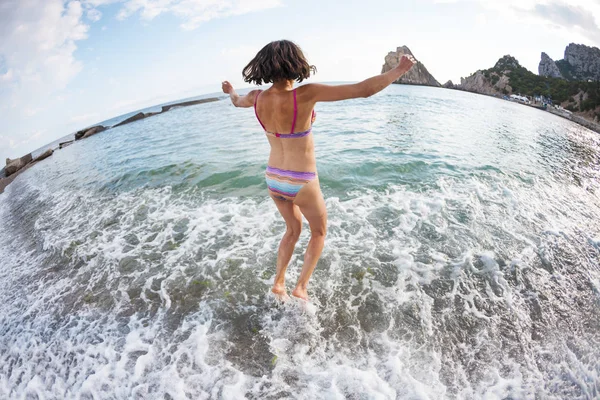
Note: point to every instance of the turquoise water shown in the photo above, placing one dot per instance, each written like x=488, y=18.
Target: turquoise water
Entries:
x=462, y=259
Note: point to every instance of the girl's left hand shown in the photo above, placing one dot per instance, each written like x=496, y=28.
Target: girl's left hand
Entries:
x=406, y=62
x=226, y=86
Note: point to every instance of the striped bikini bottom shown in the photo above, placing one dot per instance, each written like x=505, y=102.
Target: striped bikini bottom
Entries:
x=284, y=184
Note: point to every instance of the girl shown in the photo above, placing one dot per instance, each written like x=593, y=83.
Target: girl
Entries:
x=286, y=115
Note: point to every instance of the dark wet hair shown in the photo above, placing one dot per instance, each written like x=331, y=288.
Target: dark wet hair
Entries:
x=281, y=59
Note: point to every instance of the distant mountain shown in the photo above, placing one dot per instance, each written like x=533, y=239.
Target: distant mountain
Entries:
x=418, y=74
x=580, y=63
x=548, y=67
x=508, y=77
x=492, y=81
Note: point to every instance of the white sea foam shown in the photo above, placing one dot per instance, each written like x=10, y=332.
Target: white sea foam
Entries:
x=101, y=342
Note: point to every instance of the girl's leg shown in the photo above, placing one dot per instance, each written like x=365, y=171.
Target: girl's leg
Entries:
x=293, y=221
x=312, y=205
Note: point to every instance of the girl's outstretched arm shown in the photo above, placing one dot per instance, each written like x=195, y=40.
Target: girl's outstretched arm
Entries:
x=237, y=100
x=319, y=92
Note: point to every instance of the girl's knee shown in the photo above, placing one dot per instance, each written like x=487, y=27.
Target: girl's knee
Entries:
x=293, y=233
x=319, y=232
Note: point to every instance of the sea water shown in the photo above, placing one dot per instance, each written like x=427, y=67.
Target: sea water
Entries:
x=461, y=260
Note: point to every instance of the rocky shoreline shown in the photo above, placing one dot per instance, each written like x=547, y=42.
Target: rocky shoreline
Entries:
x=509, y=77
x=576, y=119
x=19, y=165
x=561, y=113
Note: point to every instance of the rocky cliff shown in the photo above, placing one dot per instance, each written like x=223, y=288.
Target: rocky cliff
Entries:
x=581, y=63
x=548, y=67
x=481, y=82
x=418, y=74
x=492, y=81
x=584, y=60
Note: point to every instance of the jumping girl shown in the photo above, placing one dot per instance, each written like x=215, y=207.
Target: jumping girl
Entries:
x=286, y=115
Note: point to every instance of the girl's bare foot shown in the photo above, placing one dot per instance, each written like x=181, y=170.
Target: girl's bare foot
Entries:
x=300, y=293
x=279, y=292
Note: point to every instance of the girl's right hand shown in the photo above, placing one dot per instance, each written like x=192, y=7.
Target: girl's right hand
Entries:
x=226, y=86
x=406, y=62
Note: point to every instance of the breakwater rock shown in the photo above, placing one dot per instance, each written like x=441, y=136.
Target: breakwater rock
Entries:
x=13, y=166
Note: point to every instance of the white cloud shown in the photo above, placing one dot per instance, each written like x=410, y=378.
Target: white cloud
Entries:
x=96, y=3
x=582, y=18
x=94, y=15
x=481, y=19
x=7, y=77
x=36, y=135
x=240, y=52
x=84, y=117
x=38, y=38
x=30, y=112
x=575, y=16
x=37, y=41
x=193, y=12
x=13, y=144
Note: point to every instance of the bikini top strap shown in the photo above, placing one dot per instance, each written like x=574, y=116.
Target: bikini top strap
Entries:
x=295, y=112
x=255, y=113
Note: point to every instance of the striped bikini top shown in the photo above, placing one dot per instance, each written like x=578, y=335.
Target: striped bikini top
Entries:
x=290, y=135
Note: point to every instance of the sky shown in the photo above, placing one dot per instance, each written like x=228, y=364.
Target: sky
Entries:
x=68, y=64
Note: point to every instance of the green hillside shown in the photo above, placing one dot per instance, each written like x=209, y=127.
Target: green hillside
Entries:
x=559, y=90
